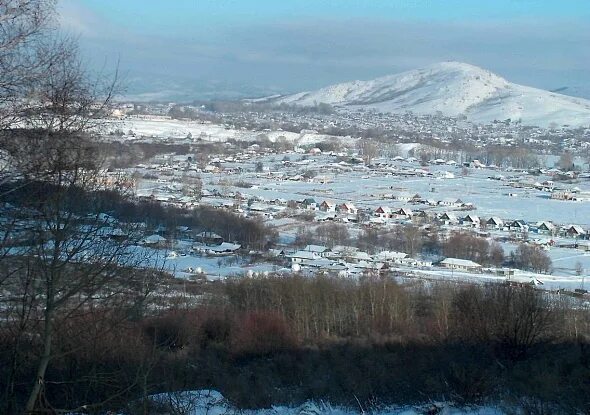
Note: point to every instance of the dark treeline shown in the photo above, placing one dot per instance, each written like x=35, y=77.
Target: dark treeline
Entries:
x=185, y=112
x=285, y=340
x=250, y=232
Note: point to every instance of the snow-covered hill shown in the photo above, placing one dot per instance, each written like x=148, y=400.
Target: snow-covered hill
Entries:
x=453, y=88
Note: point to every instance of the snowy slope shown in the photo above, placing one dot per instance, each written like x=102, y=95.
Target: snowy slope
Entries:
x=453, y=88
x=213, y=403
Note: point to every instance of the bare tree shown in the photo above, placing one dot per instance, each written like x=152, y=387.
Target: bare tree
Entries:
x=531, y=257
x=332, y=234
x=61, y=254
x=566, y=161
x=368, y=150
x=513, y=318
x=26, y=29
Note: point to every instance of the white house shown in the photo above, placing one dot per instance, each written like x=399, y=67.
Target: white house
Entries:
x=348, y=208
x=310, y=204
x=461, y=264
x=472, y=221
x=317, y=249
x=153, y=240
x=448, y=218
x=545, y=227
x=224, y=247
x=301, y=256
x=406, y=196
x=328, y=206
x=495, y=223
x=450, y=202
x=391, y=256
x=383, y=212
x=575, y=231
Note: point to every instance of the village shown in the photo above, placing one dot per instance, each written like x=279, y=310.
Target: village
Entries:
x=321, y=201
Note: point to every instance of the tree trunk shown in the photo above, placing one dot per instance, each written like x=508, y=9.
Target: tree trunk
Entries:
x=43, y=362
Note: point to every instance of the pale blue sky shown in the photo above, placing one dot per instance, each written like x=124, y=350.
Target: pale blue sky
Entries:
x=289, y=45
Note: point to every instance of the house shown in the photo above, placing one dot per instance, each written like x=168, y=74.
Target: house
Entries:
x=364, y=267
x=575, y=231
x=257, y=207
x=404, y=213
x=310, y=204
x=391, y=256
x=564, y=196
x=279, y=202
x=301, y=256
x=317, y=249
x=383, y=212
x=444, y=175
x=461, y=264
x=448, y=218
x=518, y=226
x=476, y=164
x=117, y=234
x=328, y=206
x=495, y=223
x=224, y=248
x=275, y=253
x=209, y=238
x=406, y=197
x=183, y=229
x=423, y=214
x=154, y=240
x=472, y=221
x=342, y=252
x=450, y=202
x=416, y=263
x=348, y=209
x=545, y=227
x=505, y=272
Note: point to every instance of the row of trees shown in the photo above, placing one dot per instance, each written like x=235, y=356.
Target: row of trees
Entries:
x=413, y=240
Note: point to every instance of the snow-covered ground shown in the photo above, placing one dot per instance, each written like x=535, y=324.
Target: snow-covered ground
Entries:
x=184, y=264
x=368, y=189
x=371, y=188
x=213, y=403
x=162, y=128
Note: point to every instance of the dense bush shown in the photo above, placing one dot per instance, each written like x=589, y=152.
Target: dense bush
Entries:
x=284, y=340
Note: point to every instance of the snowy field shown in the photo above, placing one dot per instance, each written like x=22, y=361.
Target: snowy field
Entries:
x=371, y=189
x=168, y=128
x=367, y=189
x=213, y=403
x=184, y=264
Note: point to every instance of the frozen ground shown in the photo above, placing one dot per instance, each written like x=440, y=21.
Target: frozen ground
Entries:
x=184, y=265
x=213, y=403
x=370, y=189
x=177, y=129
